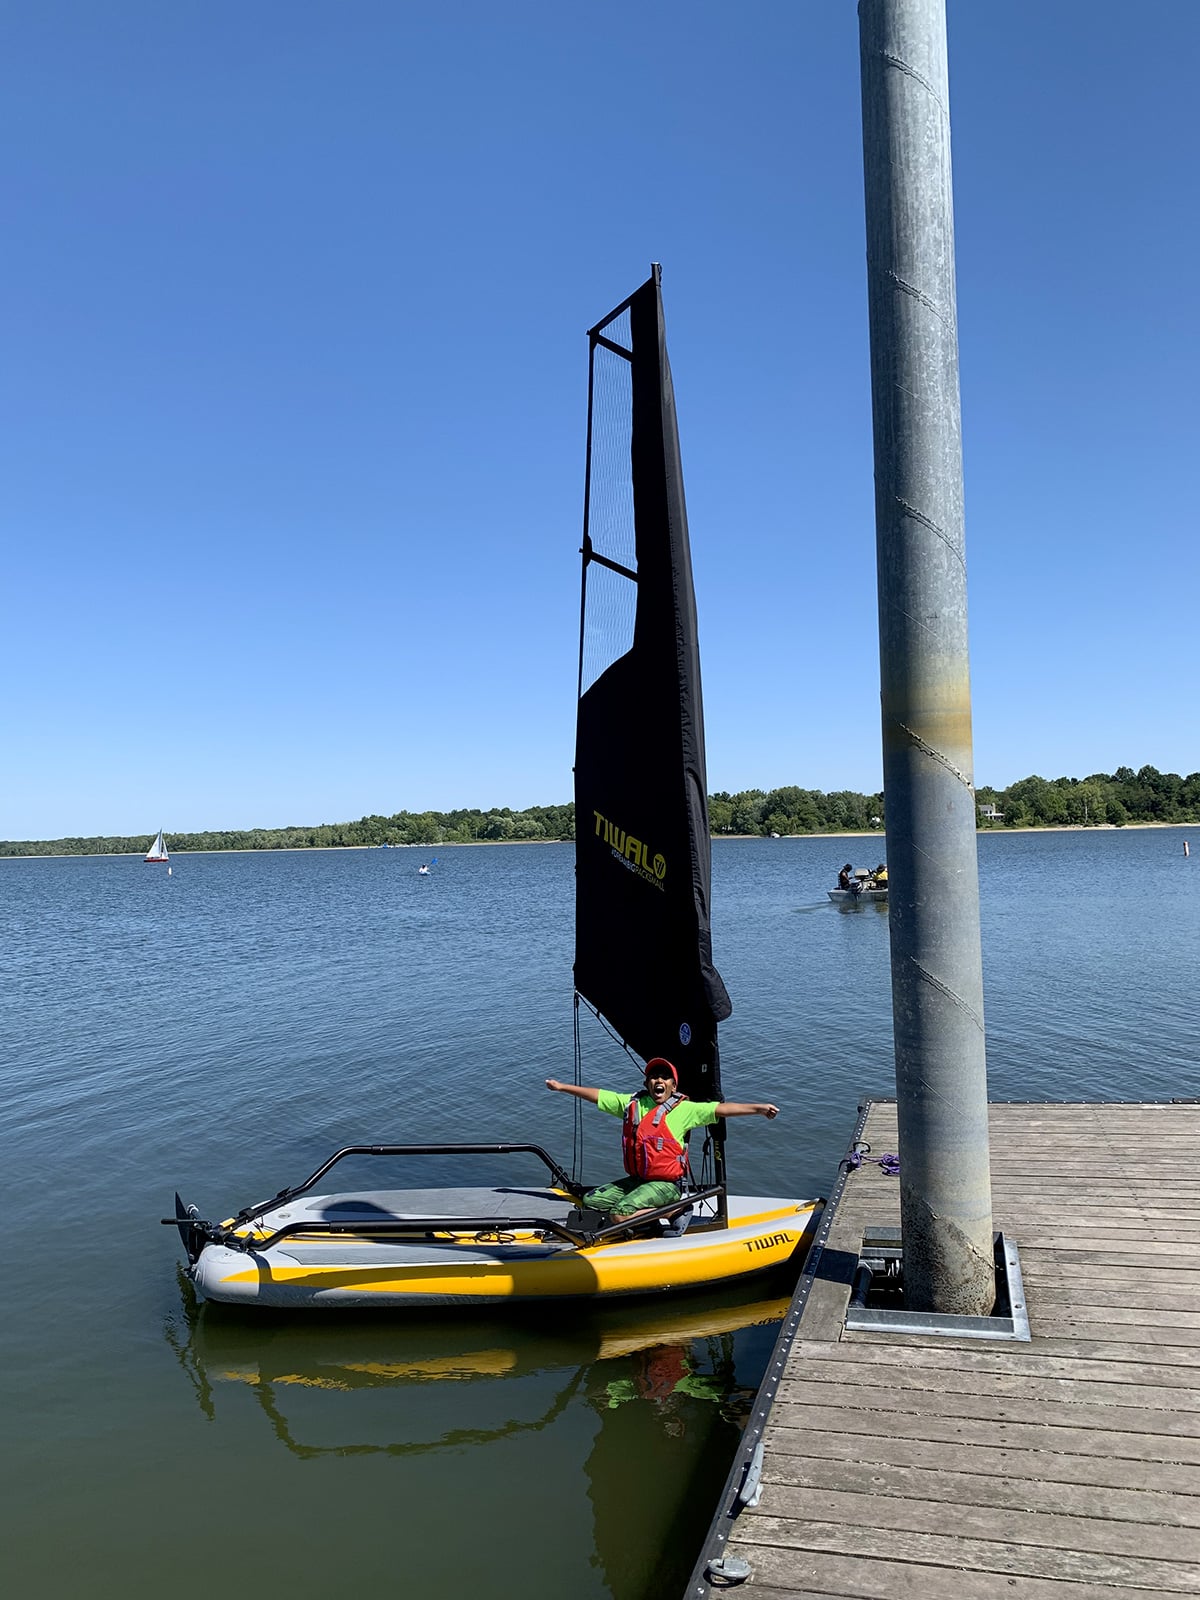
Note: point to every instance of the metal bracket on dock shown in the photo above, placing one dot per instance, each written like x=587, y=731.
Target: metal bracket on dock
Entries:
x=729, y=1570
x=881, y=1262
x=750, y=1491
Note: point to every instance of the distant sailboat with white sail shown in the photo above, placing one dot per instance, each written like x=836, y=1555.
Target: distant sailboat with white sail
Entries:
x=158, y=850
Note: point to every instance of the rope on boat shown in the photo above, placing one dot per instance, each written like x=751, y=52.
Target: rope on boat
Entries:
x=577, y=1136
x=577, y=1153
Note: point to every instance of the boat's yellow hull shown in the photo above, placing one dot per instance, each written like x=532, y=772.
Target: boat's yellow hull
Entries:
x=475, y=1269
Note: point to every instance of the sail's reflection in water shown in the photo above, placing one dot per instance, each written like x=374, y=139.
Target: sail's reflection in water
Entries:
x=634, y=1401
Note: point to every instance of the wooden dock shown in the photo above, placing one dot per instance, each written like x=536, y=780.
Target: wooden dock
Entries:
x=932, y=1467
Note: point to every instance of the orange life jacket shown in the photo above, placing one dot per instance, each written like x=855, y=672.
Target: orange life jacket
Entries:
x=648, y=1147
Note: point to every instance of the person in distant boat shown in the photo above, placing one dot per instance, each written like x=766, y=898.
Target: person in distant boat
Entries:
x=880, y=875
x=846, y=879
x=655, y=1127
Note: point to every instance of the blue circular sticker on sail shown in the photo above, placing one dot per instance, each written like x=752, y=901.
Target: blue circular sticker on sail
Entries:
x=685, y=1033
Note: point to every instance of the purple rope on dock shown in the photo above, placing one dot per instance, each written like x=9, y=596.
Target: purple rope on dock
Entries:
x=887, y=1163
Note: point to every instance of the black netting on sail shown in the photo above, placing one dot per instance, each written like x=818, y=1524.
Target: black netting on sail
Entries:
x=643, y=946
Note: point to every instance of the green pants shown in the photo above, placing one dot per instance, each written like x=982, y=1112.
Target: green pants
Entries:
x=627, y=1195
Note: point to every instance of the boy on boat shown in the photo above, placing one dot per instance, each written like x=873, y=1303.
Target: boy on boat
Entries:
x=655, y=1126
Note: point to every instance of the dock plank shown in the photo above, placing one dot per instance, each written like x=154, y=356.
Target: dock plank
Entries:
x=1177, y=1483
x=966, y=1361
x=887, y=1402
x=975, y=1518
x=991, y=1433
x=879, y=1538
x=1172, y=1346
x=945, y=1382
x=959, y=1488
x=901, y=1576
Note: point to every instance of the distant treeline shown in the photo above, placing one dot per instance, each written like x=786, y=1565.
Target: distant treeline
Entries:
x=1127, y=796
x=406, y=827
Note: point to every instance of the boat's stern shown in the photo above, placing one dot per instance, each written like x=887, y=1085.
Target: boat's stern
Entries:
x=191, y=1231
x=233, y=1277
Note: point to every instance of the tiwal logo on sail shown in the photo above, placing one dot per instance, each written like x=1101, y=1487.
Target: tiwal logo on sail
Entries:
x=632, y=853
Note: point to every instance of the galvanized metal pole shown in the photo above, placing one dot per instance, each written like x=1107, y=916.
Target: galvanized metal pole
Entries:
x=933, y=883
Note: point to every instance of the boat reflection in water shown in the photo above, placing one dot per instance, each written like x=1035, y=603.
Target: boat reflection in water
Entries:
x=635, y=1411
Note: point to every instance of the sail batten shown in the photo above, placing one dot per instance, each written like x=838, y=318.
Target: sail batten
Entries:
x=643, y=948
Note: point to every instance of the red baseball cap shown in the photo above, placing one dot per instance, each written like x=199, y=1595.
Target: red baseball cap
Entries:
x=663, y=1065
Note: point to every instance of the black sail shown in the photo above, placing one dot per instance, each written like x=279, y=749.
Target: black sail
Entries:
x=643, y=945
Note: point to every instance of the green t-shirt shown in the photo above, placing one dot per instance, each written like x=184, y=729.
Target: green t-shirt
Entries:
x=688, y=1114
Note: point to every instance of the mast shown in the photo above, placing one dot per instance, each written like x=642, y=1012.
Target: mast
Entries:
x=933, y=883
x=643, y=945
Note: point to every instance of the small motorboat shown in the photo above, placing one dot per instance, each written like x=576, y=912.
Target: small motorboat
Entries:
x=860, y=887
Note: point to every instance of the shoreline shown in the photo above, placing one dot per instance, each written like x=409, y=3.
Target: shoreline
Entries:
x=471, y=844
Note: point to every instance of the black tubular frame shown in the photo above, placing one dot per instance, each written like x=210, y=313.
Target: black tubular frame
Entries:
x=556, y=1172
x=425, y=1227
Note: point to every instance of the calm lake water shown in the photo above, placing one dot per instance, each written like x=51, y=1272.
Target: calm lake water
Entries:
x=225, y=1029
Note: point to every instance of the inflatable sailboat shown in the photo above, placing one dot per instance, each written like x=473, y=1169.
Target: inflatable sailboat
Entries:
x=643, y=955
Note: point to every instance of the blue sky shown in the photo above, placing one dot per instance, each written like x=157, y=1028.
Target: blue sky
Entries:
x=292, y=305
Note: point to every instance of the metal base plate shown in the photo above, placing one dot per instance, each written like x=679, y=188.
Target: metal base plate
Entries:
x=1009, y=1321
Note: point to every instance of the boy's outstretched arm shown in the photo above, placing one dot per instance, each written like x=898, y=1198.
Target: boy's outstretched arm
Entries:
x=576, y=1089
x=737, y=1108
